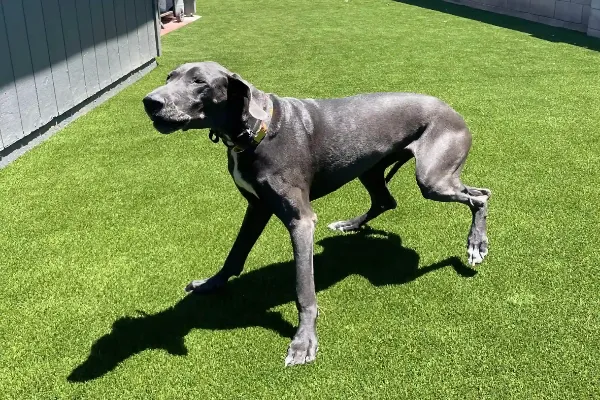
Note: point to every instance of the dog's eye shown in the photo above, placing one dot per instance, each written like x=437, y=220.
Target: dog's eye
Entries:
x=198, y=81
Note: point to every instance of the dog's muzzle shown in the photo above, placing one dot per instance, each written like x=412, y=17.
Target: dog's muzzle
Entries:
x=166, y=119
x=153, y=105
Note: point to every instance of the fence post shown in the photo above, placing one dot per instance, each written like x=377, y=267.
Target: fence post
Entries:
x=189, y=7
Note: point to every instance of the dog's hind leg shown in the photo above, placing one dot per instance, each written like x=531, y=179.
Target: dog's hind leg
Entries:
x=376, y=184
x=439, y=161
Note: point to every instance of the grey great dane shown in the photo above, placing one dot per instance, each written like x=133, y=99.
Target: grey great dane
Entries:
x=285, y=152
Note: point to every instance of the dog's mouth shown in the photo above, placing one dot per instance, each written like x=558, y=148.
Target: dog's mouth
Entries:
x=167, y=127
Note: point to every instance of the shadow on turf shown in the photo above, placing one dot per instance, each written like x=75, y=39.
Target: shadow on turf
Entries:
x=248, y=299
x=535, y=29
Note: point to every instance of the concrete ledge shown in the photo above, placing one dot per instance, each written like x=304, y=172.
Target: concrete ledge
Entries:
x=576, y=15
x=37, y=137
x=575, y=27
x=594, y=32
x=541, y=11
x=551, y=21
x=492, y=3
x=172, y=25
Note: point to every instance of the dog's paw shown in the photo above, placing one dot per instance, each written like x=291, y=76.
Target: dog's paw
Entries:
x=344, y=226
x=206, y=285
x=477, y=249
x=486, y=192
x=302, y=350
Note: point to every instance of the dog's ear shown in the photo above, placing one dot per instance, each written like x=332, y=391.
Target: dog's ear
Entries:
x=219, y=90
x=239, y=95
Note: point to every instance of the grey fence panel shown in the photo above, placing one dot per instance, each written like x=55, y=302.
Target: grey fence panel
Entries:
x=11, y=129
x=112, y=43
x=157, y=27
x=134, y=43
x=123, y=40
x=150, y=27
x=40, y=60
x=56, y=54
x=140, y=14
x=18, y=44
x=86, y=37
x=58, y=57
x=100, y=43
x=68, y=13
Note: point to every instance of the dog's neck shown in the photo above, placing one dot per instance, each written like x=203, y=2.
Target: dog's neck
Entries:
x=247, y=134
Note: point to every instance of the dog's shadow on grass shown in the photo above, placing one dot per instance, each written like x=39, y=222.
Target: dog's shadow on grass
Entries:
x=247, y=301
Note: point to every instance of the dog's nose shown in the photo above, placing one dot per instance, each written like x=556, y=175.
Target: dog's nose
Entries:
x=153, y=105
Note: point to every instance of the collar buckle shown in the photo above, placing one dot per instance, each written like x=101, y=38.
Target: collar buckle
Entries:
x=256, y=138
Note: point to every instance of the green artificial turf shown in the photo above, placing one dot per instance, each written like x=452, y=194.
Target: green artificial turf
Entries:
x=103, y=225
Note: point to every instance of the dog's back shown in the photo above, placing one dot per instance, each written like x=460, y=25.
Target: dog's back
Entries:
x=346, y=136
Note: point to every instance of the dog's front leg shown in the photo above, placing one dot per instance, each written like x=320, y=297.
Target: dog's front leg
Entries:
x=256, y=218
x=303, y=348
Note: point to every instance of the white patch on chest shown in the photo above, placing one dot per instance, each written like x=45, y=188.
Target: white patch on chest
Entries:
x=237, y=176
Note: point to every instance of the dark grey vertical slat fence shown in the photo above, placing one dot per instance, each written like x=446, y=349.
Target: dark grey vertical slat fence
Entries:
x=140, y=14
x=134, y=42
x=112, y=43
x=157, y=28
x=150, y=28
x=102, y=64
x=55, y=54
x=10, y=117
x=123, y=39
x=86, y=37
x=40, y=60
x=18, y=44
x=73, y=49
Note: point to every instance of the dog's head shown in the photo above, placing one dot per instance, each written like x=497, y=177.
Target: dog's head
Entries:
x=202, y=95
